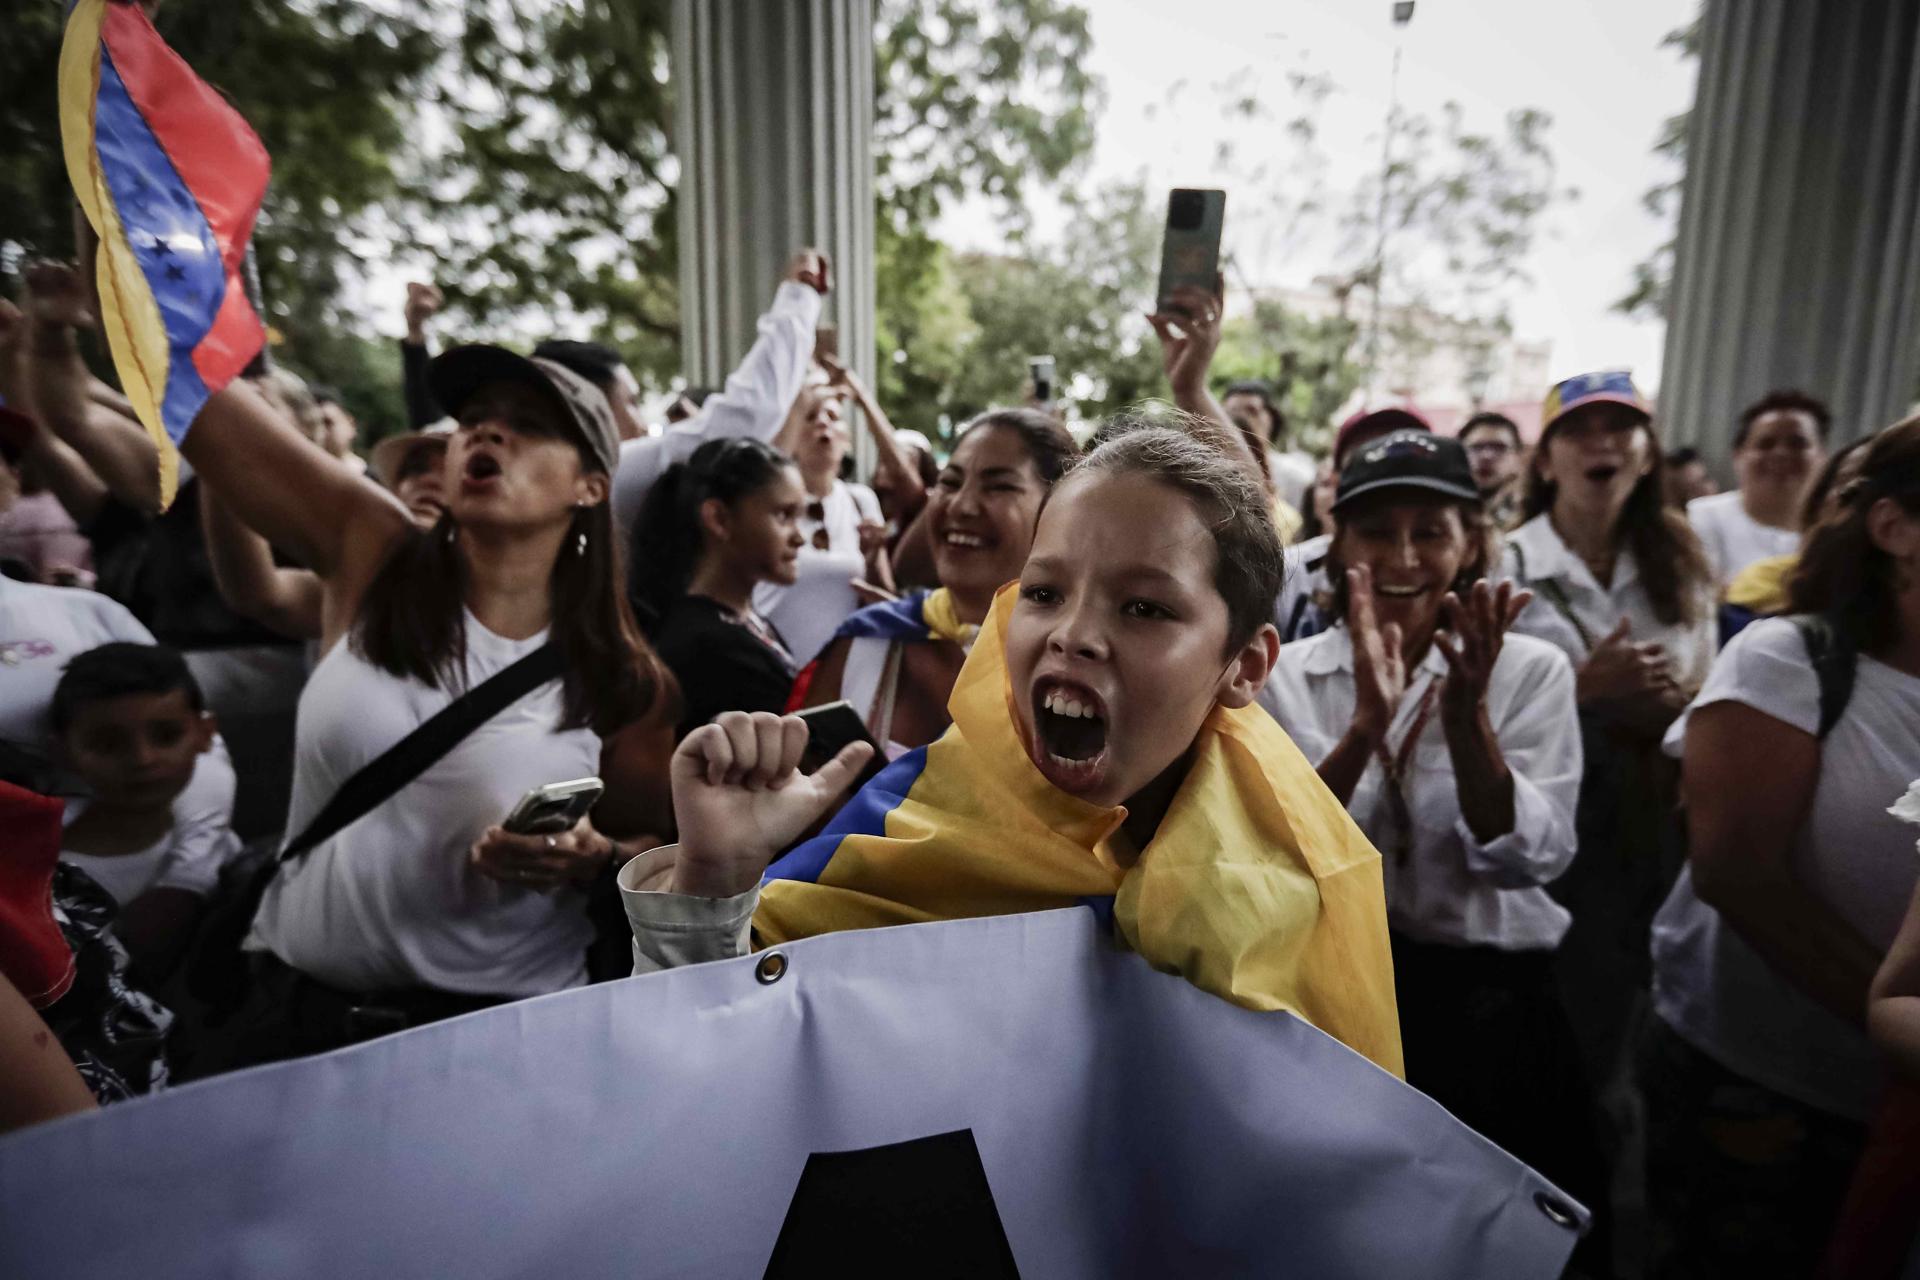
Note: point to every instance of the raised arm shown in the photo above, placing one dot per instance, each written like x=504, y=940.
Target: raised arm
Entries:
x=890, y=459
x=114, y=446
x=1188, y=339
x=283, y=599
x=423, y=302
x=285, y=488
x=757, y=395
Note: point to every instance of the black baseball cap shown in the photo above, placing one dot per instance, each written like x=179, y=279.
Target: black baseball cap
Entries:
x=455, y=374
x=1408, y=459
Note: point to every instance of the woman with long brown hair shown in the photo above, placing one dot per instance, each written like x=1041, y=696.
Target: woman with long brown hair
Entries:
x=1758, y=1072
x=1621, y=586
x=423, y=907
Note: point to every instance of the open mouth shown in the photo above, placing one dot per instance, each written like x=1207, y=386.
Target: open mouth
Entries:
x=959, y=540
x=480, y=468
x=1603, y=474
x=1070, y=733
x=1397, y=592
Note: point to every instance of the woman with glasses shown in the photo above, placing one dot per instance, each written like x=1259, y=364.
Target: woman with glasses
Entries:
x=717, y=526
x=1454, y=745
x=843, y=536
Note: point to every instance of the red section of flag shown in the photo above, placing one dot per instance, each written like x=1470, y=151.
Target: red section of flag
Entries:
x=218, y=157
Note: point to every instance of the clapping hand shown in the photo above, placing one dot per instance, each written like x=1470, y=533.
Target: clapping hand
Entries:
x=1379, y=666
x=1475, y=629
x=739, y=797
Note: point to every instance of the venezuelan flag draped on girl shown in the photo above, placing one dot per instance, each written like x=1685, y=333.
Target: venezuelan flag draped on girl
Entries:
x=170, y=178
x=1257, y=886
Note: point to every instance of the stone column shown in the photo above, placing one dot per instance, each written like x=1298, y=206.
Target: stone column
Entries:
x=773, y=128
x=1798, y=258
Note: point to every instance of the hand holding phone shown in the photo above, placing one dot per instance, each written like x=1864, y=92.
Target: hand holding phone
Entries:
x=1041, y=369
x=553, y=808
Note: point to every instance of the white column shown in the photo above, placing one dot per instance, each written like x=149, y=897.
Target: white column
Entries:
x=773, y=126
x=1798, y=259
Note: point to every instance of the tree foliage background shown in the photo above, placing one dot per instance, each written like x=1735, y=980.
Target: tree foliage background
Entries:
x=521, y=154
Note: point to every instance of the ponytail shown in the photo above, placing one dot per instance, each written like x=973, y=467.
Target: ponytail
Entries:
x=667, y=539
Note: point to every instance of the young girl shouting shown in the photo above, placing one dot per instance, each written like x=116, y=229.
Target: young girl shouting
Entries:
x=1105, y=751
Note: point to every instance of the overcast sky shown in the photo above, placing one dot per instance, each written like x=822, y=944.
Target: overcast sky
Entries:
x=1598, y=69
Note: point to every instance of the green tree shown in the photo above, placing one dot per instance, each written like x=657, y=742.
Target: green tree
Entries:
x=1079, y=299
x=1653, y=277
x=325, y=83
x=546, y=203
x=987, y=99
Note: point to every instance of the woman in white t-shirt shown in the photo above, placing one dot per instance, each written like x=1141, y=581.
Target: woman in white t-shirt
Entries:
x=1456, y=748
x=1620, y=586
x=424, y=907
x=844, y=533
x=1780, y=444
x=1797, y=877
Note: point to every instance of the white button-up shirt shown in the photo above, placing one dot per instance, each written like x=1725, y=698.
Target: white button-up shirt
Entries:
x=753, y=403
x=1568, y=600
x=1451, y=887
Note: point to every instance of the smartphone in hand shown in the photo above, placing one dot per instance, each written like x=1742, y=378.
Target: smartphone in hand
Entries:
x=1041, y=367
x=1190, y=249
x=831, y=727
x=826, y=342
x=553, y=808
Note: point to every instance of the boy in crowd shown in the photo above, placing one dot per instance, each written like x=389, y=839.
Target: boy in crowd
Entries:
x=129, y=720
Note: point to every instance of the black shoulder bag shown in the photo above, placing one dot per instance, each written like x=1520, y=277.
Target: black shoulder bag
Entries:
x=217, y=973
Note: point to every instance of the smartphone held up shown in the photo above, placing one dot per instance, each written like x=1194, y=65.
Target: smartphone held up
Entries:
x=1190, y=248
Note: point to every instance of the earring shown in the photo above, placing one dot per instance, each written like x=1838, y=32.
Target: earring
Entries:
x=580, y=544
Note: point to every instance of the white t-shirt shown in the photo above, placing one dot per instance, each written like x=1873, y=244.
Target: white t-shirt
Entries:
x=754, y=402
x=40, y=629
x=1732, y=538
x=188, y=857
x=1450, y=887
x=822, y=597
x=1301, y=577
x=1859, y=859
x=392, y=901
x=1551, y=569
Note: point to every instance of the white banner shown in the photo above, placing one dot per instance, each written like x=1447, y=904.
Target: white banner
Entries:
x=1124, y=1122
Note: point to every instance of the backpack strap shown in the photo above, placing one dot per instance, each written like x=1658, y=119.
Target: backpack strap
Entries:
x=1555, y=595
x=1831, y=652
x=380, y=779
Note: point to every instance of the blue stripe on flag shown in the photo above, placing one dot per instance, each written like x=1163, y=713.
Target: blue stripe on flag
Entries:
x=169, y=237
x=1101, y=904
x=864, y=815
x=900, y=619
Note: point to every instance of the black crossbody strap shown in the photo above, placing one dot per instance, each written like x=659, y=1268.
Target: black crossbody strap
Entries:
x=1831, y=653
x=378, y=780
x=1556, y=595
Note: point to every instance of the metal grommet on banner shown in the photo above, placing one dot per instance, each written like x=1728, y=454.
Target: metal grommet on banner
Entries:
x=1557, y=1211
x=772, y=968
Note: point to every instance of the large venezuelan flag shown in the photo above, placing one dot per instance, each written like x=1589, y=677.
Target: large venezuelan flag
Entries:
x=1257, y=886
x=171, y=178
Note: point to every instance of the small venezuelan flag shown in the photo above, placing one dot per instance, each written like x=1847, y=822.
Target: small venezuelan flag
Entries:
x=171, y=178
